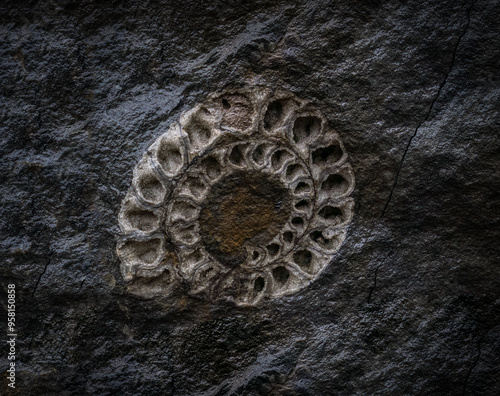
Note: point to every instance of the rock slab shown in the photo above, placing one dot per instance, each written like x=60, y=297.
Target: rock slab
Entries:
x=410, y=305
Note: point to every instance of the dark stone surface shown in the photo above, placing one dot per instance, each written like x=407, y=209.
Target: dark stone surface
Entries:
x=410, y=304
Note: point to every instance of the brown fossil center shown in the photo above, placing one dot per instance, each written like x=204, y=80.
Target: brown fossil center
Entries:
x=242, y=208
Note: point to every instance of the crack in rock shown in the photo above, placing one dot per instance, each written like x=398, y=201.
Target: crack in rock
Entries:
x=453, y=58
x=374, y=285
x=476, y=360
x=49, y=259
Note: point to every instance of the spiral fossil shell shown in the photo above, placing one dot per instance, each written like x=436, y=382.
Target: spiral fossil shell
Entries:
x=246, y=198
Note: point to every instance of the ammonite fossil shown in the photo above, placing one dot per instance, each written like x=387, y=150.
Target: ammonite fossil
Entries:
x=246, y=198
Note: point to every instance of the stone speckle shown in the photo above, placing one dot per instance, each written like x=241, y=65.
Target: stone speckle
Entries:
x=410, y=303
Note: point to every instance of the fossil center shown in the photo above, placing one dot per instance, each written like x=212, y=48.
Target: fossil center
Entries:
x=245, y=207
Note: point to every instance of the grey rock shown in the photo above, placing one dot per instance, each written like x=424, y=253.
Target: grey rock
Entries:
x=409, y=305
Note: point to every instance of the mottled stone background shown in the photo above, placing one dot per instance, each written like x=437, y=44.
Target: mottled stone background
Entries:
x=410, y=305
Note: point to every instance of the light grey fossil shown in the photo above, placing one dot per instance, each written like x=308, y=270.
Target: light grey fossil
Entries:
x=246, y=198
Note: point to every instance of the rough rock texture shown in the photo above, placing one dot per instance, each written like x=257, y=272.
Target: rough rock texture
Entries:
x=410, y=305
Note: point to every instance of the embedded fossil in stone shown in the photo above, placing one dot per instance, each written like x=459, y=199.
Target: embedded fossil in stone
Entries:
x=246, y=198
